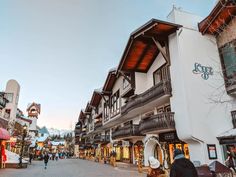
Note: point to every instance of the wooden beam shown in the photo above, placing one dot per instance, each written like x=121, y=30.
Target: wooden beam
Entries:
x=126, y=78
x=161, y=49
x=143, y=54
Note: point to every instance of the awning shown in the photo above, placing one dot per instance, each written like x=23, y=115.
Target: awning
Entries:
x=4, y=134
x=227, y=137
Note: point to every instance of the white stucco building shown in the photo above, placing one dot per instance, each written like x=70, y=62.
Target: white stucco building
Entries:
x=163, y=95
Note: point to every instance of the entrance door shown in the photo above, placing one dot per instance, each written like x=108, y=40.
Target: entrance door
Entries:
x=182, y=146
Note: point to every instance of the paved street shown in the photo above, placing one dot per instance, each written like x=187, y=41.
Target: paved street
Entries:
x=69, y=168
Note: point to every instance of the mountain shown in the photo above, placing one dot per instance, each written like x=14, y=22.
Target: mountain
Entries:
x=53, y=131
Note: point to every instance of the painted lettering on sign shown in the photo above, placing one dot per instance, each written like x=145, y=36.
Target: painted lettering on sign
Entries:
x=205, y=71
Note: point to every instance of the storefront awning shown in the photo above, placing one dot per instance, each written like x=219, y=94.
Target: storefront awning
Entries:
x=227, y=137
x=4, y=134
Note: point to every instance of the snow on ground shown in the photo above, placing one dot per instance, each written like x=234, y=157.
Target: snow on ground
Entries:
x=13, y=157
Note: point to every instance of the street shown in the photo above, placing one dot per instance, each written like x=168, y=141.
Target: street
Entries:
x=69, y=168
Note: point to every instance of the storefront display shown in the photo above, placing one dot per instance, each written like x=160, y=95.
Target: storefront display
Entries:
x=138, y=152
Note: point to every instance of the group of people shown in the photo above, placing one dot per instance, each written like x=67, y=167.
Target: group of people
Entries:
x=181, y=167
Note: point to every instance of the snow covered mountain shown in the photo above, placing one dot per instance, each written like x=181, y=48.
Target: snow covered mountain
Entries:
x=53, y=131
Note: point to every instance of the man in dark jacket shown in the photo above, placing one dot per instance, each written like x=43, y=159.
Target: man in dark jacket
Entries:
x=45, y=158
x=182, y=167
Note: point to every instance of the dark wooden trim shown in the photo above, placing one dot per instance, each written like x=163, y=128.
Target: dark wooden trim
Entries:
x=142, y=55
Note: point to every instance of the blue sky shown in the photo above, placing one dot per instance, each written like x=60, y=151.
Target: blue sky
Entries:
x=61, y=50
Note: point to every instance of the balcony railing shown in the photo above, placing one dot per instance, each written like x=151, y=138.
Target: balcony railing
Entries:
x=3, y=101
x=158, y=122
x=126, y=131
x=97, y=125
x=161, y=89
x=101, y=138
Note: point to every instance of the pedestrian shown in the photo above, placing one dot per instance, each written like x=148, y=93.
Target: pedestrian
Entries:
x=45, y=158
x=4, y=156
x=230, y=160
x=155, y=168
x=57, y=156
x=30, y=157
x=182, y=167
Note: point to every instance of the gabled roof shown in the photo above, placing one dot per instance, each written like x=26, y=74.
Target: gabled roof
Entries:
x=44, y=130
x=221, y=15
x=37, y=106
x=96, y=97
x=141, y=51
x=88, y=108
x=110, y=80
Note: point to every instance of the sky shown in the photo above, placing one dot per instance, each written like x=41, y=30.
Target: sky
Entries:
x=59, y=51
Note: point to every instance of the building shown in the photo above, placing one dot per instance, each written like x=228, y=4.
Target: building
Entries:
x=160, y=97
x=220, y=24
x=33, y=110
x=8, y=110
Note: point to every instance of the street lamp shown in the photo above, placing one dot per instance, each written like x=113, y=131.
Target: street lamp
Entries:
x=24, y=133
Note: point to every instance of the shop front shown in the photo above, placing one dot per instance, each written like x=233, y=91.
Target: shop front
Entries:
x=162, y=147
x=138, y=152
x=123, y=151
x=228, y=143
x=4, y=136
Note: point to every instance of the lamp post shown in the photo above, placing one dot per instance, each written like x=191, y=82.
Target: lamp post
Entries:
x=24, y=133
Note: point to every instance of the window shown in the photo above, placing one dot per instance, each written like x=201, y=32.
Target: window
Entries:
x=7, y=113
x=106, y=111
x=115, y=103
x=157, y=77
x=125, y=82
x=228, y=60
x=9, y=97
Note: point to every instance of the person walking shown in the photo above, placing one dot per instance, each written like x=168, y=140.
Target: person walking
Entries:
x=182, y=167
x=155, y=170
x=30, y=157
x=45, y=158
x=57, y=156
x=230, y=160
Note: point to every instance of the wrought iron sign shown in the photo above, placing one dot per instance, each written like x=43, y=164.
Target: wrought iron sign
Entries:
x=205, y=71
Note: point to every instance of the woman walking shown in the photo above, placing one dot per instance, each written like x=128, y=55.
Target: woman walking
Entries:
x=155, y=170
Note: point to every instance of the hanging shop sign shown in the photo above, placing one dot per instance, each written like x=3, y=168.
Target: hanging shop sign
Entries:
x=125, y=143
x=211, y=148
x=205, y=71
x=168, y=137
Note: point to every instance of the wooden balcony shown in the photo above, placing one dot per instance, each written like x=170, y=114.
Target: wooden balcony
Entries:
x=97, y=125
x=101, y=138
x=157, y=91
x=158, y=122
x=126, y=132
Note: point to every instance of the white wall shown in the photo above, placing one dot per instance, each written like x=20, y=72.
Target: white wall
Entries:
x=144, y=81
x=186, y=19
x=197, y=118
x=13, y=87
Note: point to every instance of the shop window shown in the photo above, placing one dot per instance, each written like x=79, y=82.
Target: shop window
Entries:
x=228, y=61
